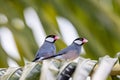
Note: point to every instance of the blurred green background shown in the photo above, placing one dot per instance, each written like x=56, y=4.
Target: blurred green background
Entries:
x=96, y=20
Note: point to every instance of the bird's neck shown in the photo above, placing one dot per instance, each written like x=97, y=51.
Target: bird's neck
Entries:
x=77, y=46
x=48, y=43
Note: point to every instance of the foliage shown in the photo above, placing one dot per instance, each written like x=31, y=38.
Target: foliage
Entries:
x=53, y=69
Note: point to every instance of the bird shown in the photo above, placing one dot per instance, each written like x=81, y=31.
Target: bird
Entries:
x=47, y=49
x=71, y=52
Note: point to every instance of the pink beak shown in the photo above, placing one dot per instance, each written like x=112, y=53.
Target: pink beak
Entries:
x=85, y=40
x=56, y=37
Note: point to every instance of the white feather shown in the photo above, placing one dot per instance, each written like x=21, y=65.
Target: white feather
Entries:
x=50, y=39
x=78, y=42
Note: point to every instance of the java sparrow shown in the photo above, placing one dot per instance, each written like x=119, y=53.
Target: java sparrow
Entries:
x=71, y=52
x=47, y=49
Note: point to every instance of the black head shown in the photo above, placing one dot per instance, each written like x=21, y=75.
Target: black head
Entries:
x=51, y=38
x=80, y=41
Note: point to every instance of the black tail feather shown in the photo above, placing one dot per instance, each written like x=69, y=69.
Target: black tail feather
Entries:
x=52, y=56
x=35, y=59
x=47, y=57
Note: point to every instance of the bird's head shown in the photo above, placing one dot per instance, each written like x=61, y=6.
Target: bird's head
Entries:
x=51, y=38
x=80, y=41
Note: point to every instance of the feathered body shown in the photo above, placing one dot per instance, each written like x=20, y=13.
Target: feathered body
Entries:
x=47, y=49
x=71, y=52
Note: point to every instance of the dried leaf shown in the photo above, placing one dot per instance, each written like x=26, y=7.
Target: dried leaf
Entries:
x=31, y=71
x=104, y=68
x=84, y=68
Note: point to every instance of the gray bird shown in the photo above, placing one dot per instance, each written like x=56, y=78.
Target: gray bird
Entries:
x=72, y=51
x=47, y=49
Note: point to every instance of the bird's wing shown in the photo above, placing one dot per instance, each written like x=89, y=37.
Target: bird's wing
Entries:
x=60, y=53
x=72, y=54
x=41, y=56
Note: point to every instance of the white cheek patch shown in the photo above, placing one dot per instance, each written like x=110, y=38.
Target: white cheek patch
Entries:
x=50, y=39
x=78, y=42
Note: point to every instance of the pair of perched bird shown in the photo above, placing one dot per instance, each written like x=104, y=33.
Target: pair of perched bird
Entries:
x=48, y=49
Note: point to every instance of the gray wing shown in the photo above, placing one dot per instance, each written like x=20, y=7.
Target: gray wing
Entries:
x=68, y=53
x=64, y=51
x=45, y=51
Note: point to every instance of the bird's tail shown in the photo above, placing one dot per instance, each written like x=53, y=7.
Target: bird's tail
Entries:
x=35, y=59
x=52, y=56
